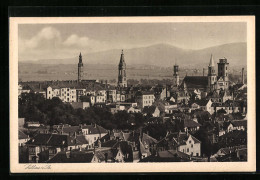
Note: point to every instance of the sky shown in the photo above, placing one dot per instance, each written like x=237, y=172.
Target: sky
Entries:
x=56, y=41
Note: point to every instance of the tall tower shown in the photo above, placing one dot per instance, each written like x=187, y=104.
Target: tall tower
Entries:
x=212, y=78
x=243, y=77
x=223, y=71
x=122, y=82
x=80, y=68
x=176, y=78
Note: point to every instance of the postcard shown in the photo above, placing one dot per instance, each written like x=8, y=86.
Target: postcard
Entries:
x=132, y=94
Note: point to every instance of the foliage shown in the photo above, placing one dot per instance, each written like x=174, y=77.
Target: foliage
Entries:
x=33, y=107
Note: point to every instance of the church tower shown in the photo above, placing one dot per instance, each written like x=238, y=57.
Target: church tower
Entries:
x=212, y=78
x=176, y=78
x=80, y=68
x=122, y=82
x=223, y=72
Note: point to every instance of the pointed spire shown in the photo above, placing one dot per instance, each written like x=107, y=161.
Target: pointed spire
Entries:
x=211, y=62
x=122, y=59
x=80, y=58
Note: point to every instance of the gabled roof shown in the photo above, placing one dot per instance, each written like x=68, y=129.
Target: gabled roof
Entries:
x=190, y=123
x=78, y=140
x=148, y=139
x=49, y=140
x=149, y=109
x=181, y=138
x=167, y=156
x=72, y=157
x=202, y=102
x=239, y=123
x=22, y=135
x=110, y=143
x=95, y=129
x=196, y=82
x=235, y=134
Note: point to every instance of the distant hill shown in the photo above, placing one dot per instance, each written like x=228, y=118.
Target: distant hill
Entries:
x=163, y=55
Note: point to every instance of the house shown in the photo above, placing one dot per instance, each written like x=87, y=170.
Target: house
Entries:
x=233, y=138
x=161, y=92
x=44, y=146
x=75, y=157
x=77, y=142
x=235, y=125
x=80, y=105
x=133, y=110
x=147, y=145
x=90, y=132
x=151, y=110
x=145, y=98
x=22, y=137
x=229, y=150
x=182, y=96
x=167, y=156
x=116, y=151
x=181, y=141
x=203, y=104
x=32, y=124
x=190, y=125
x=20, y=122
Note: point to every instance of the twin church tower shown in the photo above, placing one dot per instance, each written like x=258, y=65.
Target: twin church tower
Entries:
x=122, y=82
x=211, y=82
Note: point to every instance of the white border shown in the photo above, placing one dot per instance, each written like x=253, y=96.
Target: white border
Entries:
x=248, y=166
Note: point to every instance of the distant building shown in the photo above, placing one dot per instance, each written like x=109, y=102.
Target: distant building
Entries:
x=180, y=141
x=210, y=82
x=122, y=82
x=144, y=98
x=80, y=68
x=176, y=78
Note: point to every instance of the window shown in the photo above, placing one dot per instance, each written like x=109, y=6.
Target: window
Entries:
x=187, y=149
x=226, y=67
x=95, y=138
x=192, y=146
x=68, y=89
x=68, y=94
x=49, y=92
x=190, y=142
x=197, y=154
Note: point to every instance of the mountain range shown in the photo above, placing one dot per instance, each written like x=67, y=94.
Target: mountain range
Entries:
x=163, y=55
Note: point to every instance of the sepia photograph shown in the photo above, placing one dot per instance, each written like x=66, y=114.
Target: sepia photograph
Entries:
x=132, y=94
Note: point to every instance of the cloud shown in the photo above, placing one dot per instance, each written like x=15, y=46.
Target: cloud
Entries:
x=46, y=34
x=76, y=40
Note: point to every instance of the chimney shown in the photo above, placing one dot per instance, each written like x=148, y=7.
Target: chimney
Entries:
x=243, y=78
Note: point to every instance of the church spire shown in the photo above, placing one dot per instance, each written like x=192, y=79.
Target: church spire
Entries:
x=80, y=68
x=122, y=82
x=211, y=62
